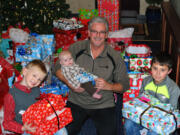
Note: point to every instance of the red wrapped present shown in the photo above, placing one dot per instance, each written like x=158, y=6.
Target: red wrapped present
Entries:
x=67, y=37
x=140, y=64
x=49, y=114
x=110, y=10
x=135, y=85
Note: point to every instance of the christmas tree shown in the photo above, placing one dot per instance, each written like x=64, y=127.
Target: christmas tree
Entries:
x=37, y=15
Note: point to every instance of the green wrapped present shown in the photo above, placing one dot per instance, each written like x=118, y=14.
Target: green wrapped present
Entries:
x=87, y=13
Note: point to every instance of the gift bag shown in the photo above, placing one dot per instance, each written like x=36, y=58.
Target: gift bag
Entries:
x=64, y=38
x=121, y=38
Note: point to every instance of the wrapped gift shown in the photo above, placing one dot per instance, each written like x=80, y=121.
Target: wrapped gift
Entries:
x=135, y=81
x=140, y=64
x=138, y=50
x=28, y=53
x=63, y=87
x=45, y=41
x=110, y=10
x=86, y=14
x=50, y=89
x=5, y=45
x=67, y=24
x=64, y=38
x=152, y=114
x=48, y=114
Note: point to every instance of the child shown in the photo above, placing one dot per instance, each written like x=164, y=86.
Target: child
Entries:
x=22, y=95
x=160, y=86
x=76, y=75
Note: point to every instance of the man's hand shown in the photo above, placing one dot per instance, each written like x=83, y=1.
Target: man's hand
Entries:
x=27, y=127
x=102, y=84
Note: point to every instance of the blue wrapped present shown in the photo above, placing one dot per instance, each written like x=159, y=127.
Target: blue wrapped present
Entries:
x=4, y=46
x=152, y=114
x=55, y=89
x=28, y=53
x=63, y=87
x=47, y=43
x=50, y=89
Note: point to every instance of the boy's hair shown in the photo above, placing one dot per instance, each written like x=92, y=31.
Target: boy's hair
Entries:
x=163, y=59
x=64, y=53
x=37, y=63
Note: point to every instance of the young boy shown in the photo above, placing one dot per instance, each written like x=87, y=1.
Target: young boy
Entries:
x=160, y=86
x=76, y=75
x=22, y=95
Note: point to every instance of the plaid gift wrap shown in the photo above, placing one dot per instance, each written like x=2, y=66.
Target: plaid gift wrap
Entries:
x=157, y=116
x=64, y=38
x=110, y=10
x=49, y=114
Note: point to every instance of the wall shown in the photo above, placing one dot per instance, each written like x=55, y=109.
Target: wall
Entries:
x=143, y=6
x=90, y=4
x=176, y=5
x=76, y=4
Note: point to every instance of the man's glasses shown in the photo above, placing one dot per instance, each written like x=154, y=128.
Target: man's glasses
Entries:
x=101, y=33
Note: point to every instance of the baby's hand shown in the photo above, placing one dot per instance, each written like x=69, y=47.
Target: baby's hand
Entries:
x=27, y=127
x=79, y=89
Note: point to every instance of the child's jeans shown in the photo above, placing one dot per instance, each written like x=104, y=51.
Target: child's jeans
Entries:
x=62, y=131
x=132, y=128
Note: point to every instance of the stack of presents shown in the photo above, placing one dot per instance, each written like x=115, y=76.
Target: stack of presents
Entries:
x=144, y=109
x=19, y=46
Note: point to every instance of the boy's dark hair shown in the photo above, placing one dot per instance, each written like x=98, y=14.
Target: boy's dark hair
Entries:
x=37, y=63
x=163, y=59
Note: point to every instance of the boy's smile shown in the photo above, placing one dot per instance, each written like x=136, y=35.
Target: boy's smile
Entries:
x=159, y=72
x=32, y=77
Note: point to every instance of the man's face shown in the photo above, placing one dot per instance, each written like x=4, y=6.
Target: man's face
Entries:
x=66, y=60
x=159, y=72
x=97, y=34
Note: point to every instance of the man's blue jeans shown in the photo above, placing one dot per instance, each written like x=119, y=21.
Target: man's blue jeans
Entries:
x=132, y=128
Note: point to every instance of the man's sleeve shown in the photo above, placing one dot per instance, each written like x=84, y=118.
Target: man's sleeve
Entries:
x=56, y=66
x=120, y=75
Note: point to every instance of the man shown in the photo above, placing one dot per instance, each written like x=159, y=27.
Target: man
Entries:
x=97, y=57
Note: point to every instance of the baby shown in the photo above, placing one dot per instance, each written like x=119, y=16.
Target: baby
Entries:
x=76, y=75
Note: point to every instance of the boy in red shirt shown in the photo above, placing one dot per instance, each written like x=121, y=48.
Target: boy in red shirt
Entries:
x=22, y=95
